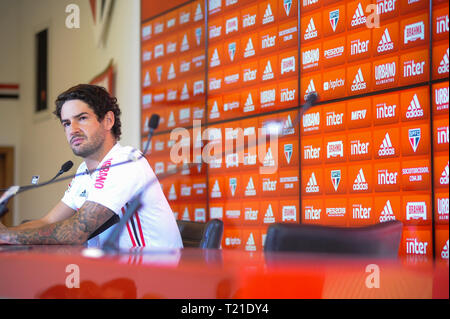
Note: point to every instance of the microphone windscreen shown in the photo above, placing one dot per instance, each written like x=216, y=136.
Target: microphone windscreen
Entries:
x=311, y=97
x=154, y=121
x=66, y=166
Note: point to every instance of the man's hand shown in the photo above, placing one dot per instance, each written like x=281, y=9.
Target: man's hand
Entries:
x=72, y=231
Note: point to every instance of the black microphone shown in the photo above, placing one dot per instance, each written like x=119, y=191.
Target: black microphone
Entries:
x=13, y=190
x=152, y=125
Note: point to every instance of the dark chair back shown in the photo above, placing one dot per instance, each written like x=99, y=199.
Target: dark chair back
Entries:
x=202, y=235
x=381, y=240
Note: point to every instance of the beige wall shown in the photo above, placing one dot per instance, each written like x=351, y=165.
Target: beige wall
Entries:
x=73, y=58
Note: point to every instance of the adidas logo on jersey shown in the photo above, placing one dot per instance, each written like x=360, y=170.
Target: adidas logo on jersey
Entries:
x=360, y=183
x=358, y=82
x=268, y=73
x=359, y=17
x=250, y=189
x=268, y=15
x=311, y=186
x=386, y=147
x=443, y=66
x=387, y=213
x=414, y=108
x=249, y=49
x=444, y=179
x=311, y=31
x=385, y=43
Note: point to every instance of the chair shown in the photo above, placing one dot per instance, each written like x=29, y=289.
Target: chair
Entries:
x=202, y=235
x=381, y=240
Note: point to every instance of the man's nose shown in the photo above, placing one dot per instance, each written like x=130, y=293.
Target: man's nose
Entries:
x=74, y=128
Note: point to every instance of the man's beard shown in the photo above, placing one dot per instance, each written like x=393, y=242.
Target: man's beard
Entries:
x=91, y=147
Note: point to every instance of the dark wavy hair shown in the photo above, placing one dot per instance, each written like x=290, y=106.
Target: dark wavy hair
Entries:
x=98, y=99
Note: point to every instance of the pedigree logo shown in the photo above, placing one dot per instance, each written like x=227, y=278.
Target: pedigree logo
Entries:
x=334, y=52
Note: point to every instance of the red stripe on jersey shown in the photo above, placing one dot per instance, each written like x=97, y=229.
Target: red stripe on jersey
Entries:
x=140, y=228
x=129, y=230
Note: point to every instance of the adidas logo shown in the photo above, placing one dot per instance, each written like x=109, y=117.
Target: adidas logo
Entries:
x=311, y=186
x=268, y=15
x=387, y=213
x=147, y=81
x=360, y=182
x=171, y=74
x=414, y=108
x=250, y=245
x=268, y=217
x=288, y=128
x=386, y=148
x=444, y=176
x=358, y=17
x=311, y=31
x=186, y=215
x=184, y=43
x=385, y=43
x=172, y=193
x=268, y=159
x=249, y=106
x=444, y=253
x=268, y=73
x=214, y=111
x=184, y=93
x=250, y=189
x=198, y=13
x=358, y=82
x=215, y=60
x=215, y=192
x=443, y=66
x=311, y=88
x=249, y=49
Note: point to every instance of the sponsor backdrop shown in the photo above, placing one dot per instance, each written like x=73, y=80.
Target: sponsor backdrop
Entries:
x=226, y=74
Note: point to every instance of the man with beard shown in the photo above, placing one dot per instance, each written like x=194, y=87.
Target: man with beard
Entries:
x=91, y=121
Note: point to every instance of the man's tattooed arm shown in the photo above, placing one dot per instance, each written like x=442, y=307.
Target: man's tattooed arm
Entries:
x=72, y=231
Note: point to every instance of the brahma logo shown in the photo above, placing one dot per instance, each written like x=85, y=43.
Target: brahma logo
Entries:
x=231, y=25
x=444, y=65
x=215, y=31
x=416, y=210
x=335, y=178
x=289, y=212
x=414, y=108
x=414, y=32
x=311, y=31
x=386, y=43
x=159, y=50
x=385, y=73
x=386, y=147
x=359, y=17
x=414, y=137
x=102, y=174
x=360, y=183
x=359, y=83
x=312, y=186
x=311, y=213
x=288, y=65
x=335, y=149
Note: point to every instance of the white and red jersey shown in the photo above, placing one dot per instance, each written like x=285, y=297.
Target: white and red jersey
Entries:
x=153, y=225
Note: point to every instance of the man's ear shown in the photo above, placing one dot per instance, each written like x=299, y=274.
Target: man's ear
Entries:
x=109, y=120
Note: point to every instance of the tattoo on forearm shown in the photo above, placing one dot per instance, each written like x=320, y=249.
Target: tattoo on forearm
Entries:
x=74, y=230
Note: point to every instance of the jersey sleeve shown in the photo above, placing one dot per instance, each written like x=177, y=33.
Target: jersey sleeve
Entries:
x=69, y=195
x=115, y=186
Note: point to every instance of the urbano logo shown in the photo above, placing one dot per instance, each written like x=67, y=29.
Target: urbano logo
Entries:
x=441, y=98
x=311, y=121
x=385, y=73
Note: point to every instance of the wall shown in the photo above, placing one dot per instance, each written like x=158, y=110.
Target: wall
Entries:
x=73, y=58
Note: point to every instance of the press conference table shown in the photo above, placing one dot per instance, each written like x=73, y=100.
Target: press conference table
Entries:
x=54, y=271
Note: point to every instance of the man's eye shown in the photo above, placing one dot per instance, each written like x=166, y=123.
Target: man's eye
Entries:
x=66, y=124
